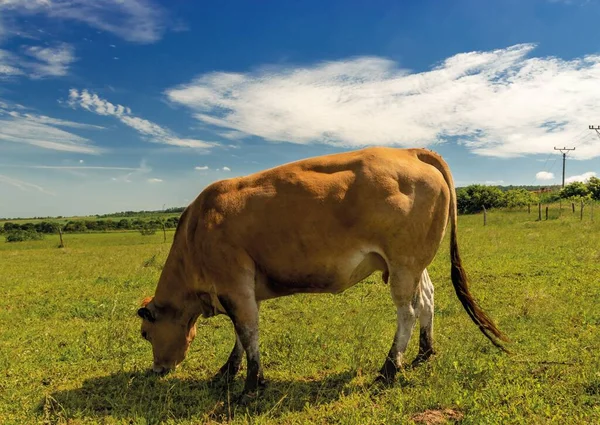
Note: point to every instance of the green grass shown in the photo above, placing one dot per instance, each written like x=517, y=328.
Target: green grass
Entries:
x=70, y=350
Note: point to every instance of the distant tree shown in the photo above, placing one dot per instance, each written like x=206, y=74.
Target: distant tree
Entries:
x=9, y=227
x=171, y=222
x=148, y=229
x=593, y=186
x=518, y=198
x=75, y=226
x=472, y=199
x=91, y=225
x=137, y=224
x=124, y=224
x=575, y=190
x=28, y=227
x=46, y=227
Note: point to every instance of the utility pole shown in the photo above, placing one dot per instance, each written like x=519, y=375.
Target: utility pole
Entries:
x=564, y=154
x=595, y=127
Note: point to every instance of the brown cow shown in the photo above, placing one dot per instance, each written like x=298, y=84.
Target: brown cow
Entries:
x=318, y=225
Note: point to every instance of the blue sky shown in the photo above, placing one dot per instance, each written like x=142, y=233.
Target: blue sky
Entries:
x=119, y=105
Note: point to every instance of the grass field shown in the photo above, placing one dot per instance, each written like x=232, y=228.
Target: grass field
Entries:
x=70, y=350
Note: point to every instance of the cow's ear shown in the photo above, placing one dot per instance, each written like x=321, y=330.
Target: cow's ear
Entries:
x=146, y=301
x=146, y=314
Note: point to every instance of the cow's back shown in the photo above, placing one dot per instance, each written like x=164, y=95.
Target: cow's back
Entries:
x=311, y=222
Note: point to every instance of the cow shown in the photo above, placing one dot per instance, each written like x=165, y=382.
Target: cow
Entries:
x=318, y=225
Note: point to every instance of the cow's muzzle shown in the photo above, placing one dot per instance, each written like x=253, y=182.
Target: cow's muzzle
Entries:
x=161, y=370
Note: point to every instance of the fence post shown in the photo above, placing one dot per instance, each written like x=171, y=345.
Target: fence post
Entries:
x=560, y=207
x=592, y=208
x=546, y=212
x=529, y=208
x=62, y=245
x=540, y=211
x=484, y=216
x=573, y=206
x=581, y=212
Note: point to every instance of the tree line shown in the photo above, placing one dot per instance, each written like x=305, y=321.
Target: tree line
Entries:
x=78, y=226
x=472, y=199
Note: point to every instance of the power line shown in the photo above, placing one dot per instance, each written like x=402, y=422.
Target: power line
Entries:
x=564, y=154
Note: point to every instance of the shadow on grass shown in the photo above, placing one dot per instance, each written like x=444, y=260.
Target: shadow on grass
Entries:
x=140, y=396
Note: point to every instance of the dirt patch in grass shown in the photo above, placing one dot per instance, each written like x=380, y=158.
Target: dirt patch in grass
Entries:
x=434, y=417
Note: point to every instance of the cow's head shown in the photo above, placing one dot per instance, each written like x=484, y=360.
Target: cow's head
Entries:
x=169, y=330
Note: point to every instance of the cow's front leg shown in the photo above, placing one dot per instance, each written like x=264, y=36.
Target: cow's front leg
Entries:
x=233, y=364
x=243, y=312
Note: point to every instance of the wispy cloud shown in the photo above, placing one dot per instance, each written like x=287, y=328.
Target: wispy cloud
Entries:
x=154, y=180
x=226, y=169
x=202, y=168
x=9, y=65
x=580, y=178
x=43, y=119
x=37, y=61
x=139, y=21
x=544, y=175
x=77, y=167
x=23, y=185
x=496, y=103
x=141, y=170
x=51, y=61
x=44, y=132
x=149, y=130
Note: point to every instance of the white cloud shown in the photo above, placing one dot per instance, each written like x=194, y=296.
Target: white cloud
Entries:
x=580, y=178
x=23, y=185
x=43, y=119
x=496, y=103
x=151, y=131
x=38, y=62
x=226, y=169
x=127, y=178
x=204, y=167
x=44, y=132
x=154, y=180
x=80, y=167
x=9, y=64
x=544, y=175
x=81, y=161
x=140, y=21
x=52, y=61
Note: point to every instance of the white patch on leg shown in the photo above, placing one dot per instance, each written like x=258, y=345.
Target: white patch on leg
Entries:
x=426, y=313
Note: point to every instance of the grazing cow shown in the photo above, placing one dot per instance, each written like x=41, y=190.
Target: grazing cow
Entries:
x=318, y=225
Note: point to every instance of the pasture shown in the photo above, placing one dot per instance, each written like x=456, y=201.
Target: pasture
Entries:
x=70, y=349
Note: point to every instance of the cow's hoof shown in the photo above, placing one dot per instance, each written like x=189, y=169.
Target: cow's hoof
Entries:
x=422, y=357
x=247, y=398
x=383, y=380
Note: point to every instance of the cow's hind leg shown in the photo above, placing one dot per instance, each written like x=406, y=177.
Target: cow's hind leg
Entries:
x=404, y=286
x=425, y=313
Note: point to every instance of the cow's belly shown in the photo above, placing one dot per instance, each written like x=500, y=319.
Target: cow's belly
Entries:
x=319, y=274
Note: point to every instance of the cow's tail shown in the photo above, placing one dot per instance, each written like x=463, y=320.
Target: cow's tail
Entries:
x=457, y=272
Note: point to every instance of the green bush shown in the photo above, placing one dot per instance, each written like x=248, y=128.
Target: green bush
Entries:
x=23, y=235
x=148, y=229
x=472, y=199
